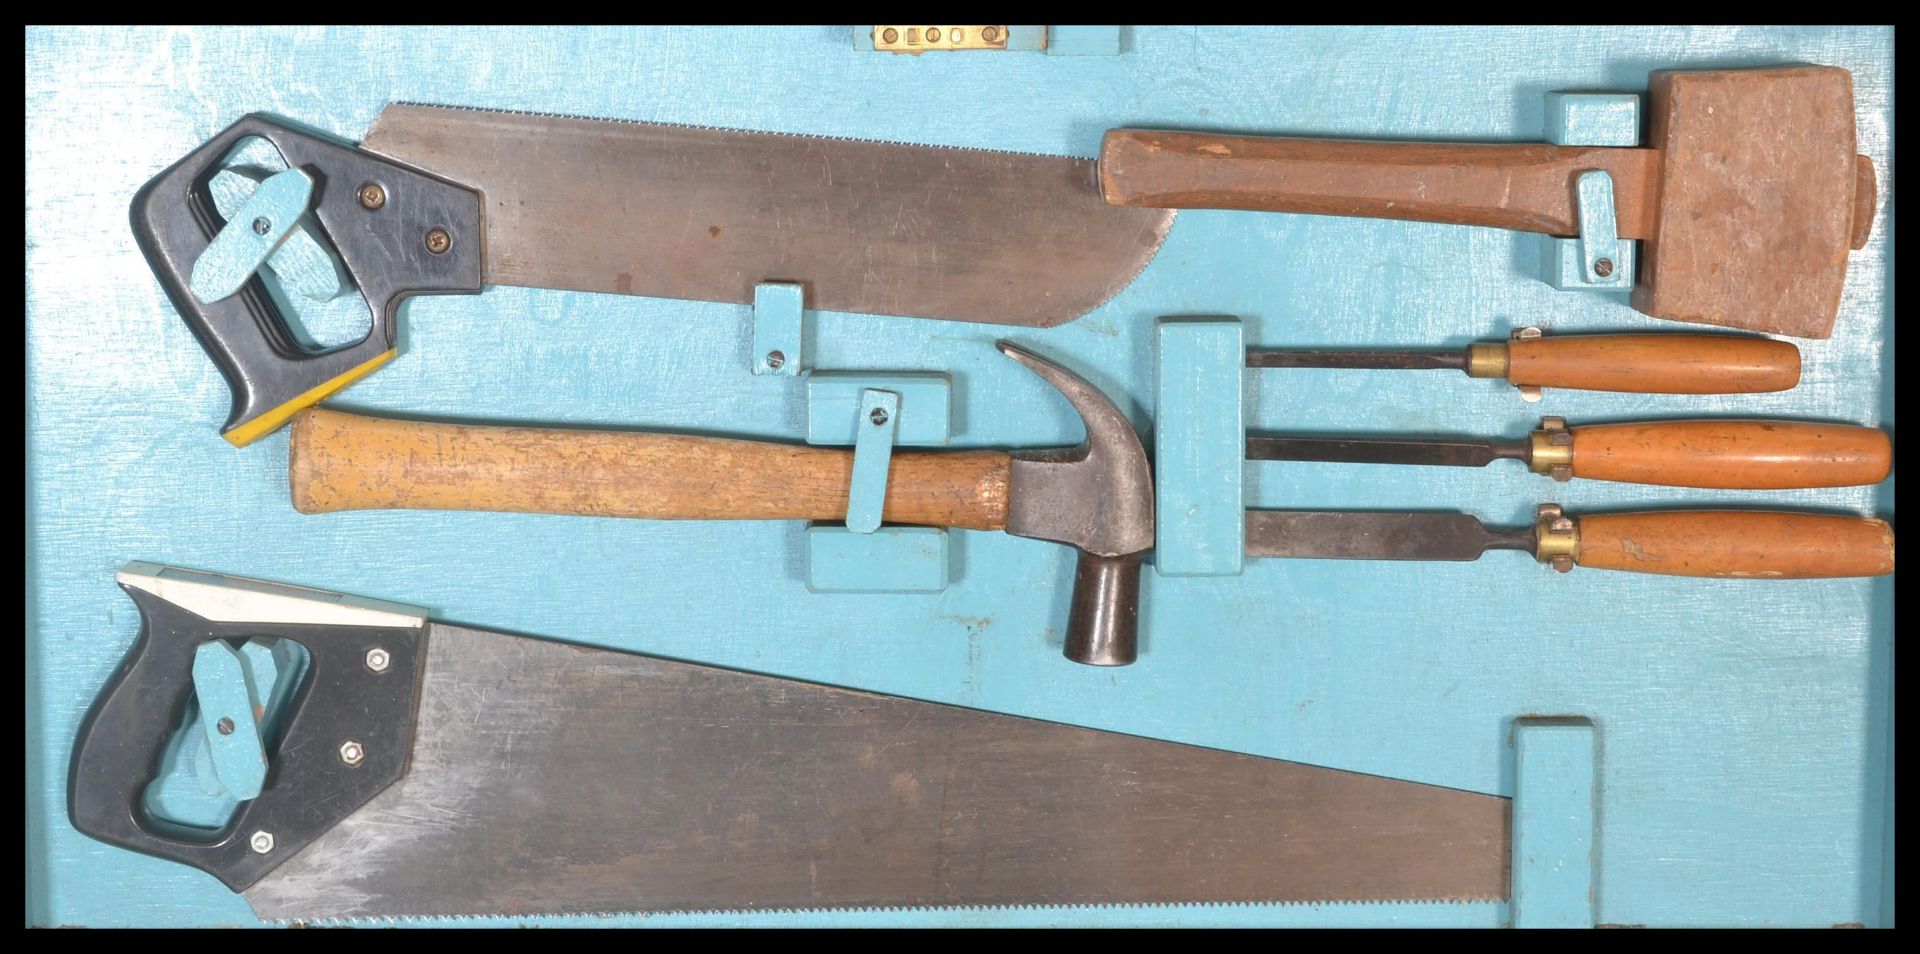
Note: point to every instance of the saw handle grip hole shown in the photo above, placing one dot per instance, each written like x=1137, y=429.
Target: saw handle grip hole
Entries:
x=221, y=749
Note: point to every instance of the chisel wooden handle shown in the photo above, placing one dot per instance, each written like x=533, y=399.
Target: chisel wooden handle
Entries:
x=1732, y=455
x=345, y=461
x=1736, y=543
x=1646, y=364
x=1526, y=187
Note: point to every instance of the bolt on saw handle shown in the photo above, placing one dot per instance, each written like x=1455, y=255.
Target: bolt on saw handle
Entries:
x=384, y=246
x=310, y=788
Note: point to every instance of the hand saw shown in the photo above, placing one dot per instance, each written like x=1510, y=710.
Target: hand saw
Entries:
x=434, y=770
x=443, y=200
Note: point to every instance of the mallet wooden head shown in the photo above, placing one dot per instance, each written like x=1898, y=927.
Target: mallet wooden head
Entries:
x=1759, y=196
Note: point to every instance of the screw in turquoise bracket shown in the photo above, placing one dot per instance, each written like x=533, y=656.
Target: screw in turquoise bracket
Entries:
x=256, y=230
x=1556, y=780
x=779, y=339
x=1199, y=447
x=872, y=459
x=1598, y=260
x=888, y=559
x=303, y=264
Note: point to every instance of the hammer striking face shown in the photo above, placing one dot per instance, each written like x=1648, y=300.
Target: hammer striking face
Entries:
x=1096, y=497
x=1746, y=198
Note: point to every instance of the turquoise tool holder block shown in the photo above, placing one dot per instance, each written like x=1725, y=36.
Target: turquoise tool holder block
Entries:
x=1591, y=119
x=924, y=419
x=779, y=328
x=1554, y=806
x=888, y=560
x=863, y=556
x=1199, y=448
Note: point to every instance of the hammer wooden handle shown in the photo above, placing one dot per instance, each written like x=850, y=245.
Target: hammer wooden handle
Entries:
x=1736, y=543
x=1525, y=187
x=1651, y=364
x=1737, y=455
x=345, y=461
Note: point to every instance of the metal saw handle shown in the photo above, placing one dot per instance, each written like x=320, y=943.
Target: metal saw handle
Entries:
x=342, y=461
x=383, y=245
x=310, y=788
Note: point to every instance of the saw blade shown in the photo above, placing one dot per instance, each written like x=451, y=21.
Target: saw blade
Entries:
x=706, y=214
x=551, y=779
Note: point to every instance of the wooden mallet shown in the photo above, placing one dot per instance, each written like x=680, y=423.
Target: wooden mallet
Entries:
x=1746, y=198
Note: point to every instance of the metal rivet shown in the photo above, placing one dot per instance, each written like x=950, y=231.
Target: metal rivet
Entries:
x=378, y=660
x=438, y=241
x=890, y=35
x=775, y=359
x=262, y=225
x=261, y=842
x=878, y=417
x=351, y=752
x=224, y=726
x=990, y=34
x=1564, y=564
x=933, y=34
x=372, y=196
x=1561, y=525
x=1603, y=267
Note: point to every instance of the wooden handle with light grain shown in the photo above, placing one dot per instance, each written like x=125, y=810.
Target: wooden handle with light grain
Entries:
x=1654, y=364
x=1733, y=455
x=1736, y=543
x=345, y=461
x=1527, y=187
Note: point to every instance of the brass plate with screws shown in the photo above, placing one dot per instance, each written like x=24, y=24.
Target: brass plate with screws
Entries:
x=919, y=39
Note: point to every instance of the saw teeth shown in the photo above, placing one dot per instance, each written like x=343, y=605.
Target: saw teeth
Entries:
x=733, y=129
x=882, y=909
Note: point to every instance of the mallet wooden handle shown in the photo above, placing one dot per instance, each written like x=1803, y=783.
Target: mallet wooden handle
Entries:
x=1527, y=187
x=1736, y=543
x=1647, y=364
x=1737, y=455
x=345, y=461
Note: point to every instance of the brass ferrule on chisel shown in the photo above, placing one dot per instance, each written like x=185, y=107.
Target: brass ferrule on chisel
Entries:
x=1487, y=359
x=1556, y=538
x=1550, y=449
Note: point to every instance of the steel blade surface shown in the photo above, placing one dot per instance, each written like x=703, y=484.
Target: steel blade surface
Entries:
x=705, y=214
x=552, y=779
x=1364, y=535
x=1375, y=450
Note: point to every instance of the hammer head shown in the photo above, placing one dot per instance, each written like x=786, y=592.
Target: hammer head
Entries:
x=1096, y=497
x=1760, y=196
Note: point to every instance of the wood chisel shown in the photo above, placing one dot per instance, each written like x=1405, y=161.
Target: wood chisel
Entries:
x=1756, y=544
x=1722, y=454
x=1638, y=363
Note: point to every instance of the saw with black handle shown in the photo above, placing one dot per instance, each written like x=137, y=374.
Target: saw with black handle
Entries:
x=440, y=200
x=492, y=774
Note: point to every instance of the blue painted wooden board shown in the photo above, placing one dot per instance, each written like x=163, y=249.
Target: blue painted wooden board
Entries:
x=1746, y=726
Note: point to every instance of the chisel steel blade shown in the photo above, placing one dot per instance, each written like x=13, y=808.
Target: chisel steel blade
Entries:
x=1381, y=450
x=1363, y=535
x=705, y=214
x=552, y=779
